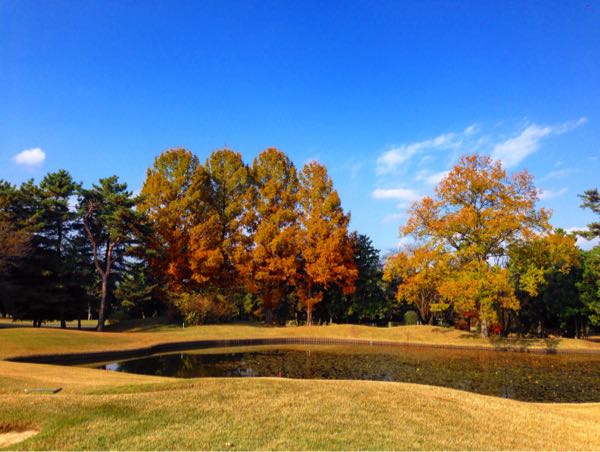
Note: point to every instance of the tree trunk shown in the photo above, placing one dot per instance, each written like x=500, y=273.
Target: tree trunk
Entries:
x=170, y=310
x=309, y=317
x=100, y=326
x=484, y=328
x=63, y=322
x=269, y=316
x=79, y=322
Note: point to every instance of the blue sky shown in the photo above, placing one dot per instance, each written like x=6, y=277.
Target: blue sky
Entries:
x=386, y=94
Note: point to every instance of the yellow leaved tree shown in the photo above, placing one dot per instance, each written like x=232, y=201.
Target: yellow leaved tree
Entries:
x=478, y=213
x=325, y=248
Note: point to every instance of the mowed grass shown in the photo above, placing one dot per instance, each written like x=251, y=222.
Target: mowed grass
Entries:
x=25, y=341
x=108, y=410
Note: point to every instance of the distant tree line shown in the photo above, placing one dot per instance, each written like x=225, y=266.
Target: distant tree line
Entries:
x=224, y=240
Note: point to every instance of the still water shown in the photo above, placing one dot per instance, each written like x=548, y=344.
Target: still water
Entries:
x=521, y=376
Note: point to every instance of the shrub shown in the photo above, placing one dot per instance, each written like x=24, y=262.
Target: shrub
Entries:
x=410, y=318
x=205, y=307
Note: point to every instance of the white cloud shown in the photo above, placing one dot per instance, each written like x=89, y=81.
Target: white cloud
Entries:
x=582, y=242
x=402, y=194
x=30, y=157
x=393, y=217
x=389, y=161
x=549, y=194
x=516, y=149
x=471, y=129
x=435, y=178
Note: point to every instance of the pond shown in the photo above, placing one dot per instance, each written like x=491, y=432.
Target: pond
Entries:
x=521, y=376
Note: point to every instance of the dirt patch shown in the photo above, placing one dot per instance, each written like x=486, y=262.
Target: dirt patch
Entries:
x=15, y=433
x=10, y=438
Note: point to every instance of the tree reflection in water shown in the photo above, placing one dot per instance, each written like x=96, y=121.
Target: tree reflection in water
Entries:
x=522, y=376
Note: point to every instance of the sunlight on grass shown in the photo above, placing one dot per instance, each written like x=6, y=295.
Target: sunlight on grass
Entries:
x=106, y=410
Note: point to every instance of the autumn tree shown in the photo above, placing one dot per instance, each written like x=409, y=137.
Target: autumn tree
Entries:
x=421, y=270
x=479, y=287
x=13, y=243
x=14, y=237
x=273, y=264
x=323, y=241
x=112, y=226
x=171, y=207
x=218, y=239
x=478, y=213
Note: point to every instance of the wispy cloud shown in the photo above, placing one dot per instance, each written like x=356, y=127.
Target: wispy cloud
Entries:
x=397, y=156
x=30, y=157
x=558, y=174
x=514, y=150
x=393, y=217
x=473, y=128
x=549, y=194
x=391, y=160
x=401, y=194
x=431, y=178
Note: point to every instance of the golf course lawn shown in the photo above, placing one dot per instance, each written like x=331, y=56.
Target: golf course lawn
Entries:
x=97, y=409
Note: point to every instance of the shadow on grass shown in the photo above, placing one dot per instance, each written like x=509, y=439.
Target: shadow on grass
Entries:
x=160, y=323
x=8, y=323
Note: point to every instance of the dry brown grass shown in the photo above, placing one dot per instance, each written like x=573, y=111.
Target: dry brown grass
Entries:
x=24, y=341
x=109, y=410
x=105, y=410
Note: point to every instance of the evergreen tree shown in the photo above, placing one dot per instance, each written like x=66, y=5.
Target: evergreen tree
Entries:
x=591, y=200
x=112, y=226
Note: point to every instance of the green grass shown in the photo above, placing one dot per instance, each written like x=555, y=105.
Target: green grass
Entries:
x=110, y=410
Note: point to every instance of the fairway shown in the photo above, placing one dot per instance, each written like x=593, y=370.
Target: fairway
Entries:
x=98, y=409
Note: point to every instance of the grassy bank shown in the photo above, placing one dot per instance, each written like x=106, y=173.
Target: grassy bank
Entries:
x=24, y=341
x=106, y=410
x=109, y=410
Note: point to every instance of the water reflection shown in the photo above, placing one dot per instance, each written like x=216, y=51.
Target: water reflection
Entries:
x=529, y=377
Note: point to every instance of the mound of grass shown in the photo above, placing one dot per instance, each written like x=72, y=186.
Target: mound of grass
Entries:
x=105, y=410
x=24, y=341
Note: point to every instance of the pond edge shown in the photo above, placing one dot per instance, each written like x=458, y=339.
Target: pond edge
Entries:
x=90, y=357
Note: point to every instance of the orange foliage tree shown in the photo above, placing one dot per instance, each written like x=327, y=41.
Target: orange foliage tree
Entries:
x=478, y=213
x=421, y=270
x=168, y=204
x=218, y=242
x=323, y=241
x=273, y=263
